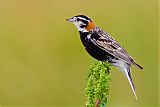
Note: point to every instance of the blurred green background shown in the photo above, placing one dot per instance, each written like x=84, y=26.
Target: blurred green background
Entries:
x=43, y=63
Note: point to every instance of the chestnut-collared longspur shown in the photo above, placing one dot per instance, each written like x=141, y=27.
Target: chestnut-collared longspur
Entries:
x=101, y=46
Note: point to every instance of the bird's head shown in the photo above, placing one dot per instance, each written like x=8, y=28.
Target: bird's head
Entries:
x=82, y=22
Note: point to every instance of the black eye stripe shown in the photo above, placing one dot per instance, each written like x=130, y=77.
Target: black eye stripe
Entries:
x=78, y=19
x=82, y=26
x=84, y=21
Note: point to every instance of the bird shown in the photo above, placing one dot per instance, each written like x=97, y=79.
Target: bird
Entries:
x=101, y=46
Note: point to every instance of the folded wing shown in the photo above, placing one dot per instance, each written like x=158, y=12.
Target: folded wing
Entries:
x=107, y=43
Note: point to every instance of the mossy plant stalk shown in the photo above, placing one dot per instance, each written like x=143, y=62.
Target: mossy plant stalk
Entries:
x=98, y=84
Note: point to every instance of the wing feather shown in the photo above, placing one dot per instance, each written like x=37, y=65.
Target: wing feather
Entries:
x=107, y=43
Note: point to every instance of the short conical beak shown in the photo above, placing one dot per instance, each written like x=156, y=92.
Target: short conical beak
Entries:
x=71, y=20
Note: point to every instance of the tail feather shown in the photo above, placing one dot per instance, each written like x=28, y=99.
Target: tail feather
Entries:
x=128, y=75
x=125, y=68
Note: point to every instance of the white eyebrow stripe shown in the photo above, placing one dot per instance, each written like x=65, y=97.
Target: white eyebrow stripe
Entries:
x=82, y=18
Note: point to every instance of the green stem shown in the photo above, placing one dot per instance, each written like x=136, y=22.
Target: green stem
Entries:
x=98, y=85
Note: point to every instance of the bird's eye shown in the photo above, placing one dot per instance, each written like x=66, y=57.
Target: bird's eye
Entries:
x=78, y=19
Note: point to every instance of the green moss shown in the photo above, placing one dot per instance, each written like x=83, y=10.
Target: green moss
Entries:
x=98, y=85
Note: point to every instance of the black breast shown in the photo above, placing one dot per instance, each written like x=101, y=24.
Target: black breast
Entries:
x=93, y=49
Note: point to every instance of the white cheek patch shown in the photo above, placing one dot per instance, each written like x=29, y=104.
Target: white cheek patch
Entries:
x=81, y=23
x=78, y=24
